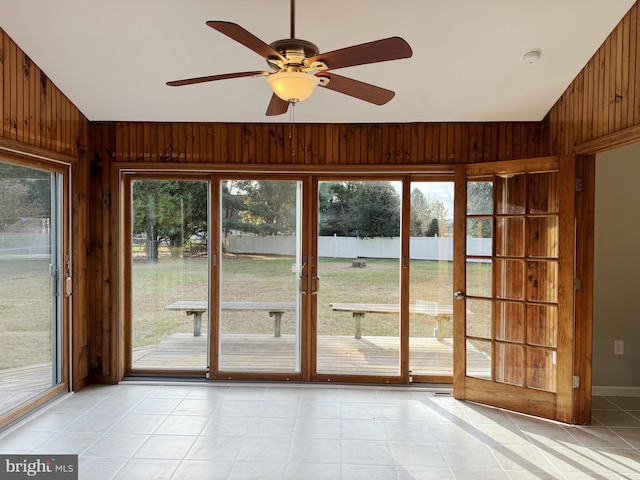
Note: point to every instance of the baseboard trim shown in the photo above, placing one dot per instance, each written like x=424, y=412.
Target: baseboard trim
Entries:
x=606, y=391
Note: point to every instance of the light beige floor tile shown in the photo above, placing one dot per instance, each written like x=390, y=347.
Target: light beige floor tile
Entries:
x=522, y=457
x=137, y=423
x=182, y=425
x=23, y=441
x=316, y=471
x=315, y=450
x=366, y=452
x=215, y=447
x=317, y=428
x=71, y=443
x=630, y=435
x=358, y=395
x=228, y=426
x=368, y=472
x=172, y=447
x=116, y=445
x=237, y=408
x=619, y=460
x=278, y=427
x=99, y=468
x=258, y=471
x=403, y=413
x=409, y=431
x=416, y=454
x=575, y=459
x=93, y=422
x=470, y=457
x=423, y=473
x=196, y=406
x=615, y=418
x=158, y=406
x=319, y=394
x=312, y=409
x=474, y=474
x=147, y=469
x=51, y=421
x=597, y=437
x=203, y=470
x=360, y=411
x=362, y=430
x=265, y=450
x=278, y=408
x=626, y=403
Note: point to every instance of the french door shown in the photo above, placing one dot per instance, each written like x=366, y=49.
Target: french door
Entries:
x=513, y=307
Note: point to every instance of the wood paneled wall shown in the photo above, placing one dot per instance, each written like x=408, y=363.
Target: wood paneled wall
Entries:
x=39, y=119
x=601, y=107
x=319, y=144
x=33, y=110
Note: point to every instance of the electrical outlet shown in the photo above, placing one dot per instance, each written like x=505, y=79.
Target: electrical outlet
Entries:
x=618, y=347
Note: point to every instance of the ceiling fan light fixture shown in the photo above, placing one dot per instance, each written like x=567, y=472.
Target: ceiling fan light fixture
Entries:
x=293, y=86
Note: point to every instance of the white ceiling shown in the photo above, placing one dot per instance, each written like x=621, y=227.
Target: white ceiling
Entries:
x=113, y=57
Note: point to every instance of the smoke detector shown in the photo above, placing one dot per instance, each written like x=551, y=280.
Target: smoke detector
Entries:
x=532, y=56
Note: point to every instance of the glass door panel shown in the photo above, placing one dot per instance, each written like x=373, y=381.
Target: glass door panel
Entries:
x=260, y=265
x=512, y=279
x=30, y=286
x=431, y=280
x=169, y=275
x=358, y=304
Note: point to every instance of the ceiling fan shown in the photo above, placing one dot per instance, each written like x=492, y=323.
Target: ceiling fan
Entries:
x=297, y=67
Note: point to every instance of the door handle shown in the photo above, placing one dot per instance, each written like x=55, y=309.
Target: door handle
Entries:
x=302, y=284
x=459, y=295
x=315, y=285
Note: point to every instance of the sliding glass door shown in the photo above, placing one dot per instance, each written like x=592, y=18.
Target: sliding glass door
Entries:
x=259, y=271
x=358, y=263
x=31, y=286
x=431, y=281
x=169, y=270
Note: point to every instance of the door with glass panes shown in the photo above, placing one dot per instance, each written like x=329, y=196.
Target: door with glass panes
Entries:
x=513, y=285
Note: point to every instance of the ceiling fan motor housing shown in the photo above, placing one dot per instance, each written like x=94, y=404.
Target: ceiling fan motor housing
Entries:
x=295, y=50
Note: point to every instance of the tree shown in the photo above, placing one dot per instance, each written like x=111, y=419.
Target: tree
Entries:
x=335, y=200
x=376, y=210
x=480, y=202
x=261, y=207
x=24, y=193
x=169, y=211
x=426, y=215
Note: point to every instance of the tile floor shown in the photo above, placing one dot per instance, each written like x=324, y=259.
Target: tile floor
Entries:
x=196, y=431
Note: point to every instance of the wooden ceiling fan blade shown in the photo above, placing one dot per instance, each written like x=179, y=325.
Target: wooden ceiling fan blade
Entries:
x=356, y=88
x=246, y=38
x=213, y=78
x=277, y=106
x=392, y=48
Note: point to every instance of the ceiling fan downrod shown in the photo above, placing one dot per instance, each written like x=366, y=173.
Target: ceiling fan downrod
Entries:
x=293, y=18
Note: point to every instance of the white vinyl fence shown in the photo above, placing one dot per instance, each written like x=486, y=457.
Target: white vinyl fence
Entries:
x=421, y=248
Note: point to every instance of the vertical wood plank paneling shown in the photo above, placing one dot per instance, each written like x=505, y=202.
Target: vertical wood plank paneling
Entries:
x=602, y=101
x=13, y=91
x=633, y=39
x=6, y=91
x=623, y=76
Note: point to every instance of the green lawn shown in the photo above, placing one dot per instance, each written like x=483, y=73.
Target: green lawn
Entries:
x=25, y=317
x=25, y=311
x=262, y=278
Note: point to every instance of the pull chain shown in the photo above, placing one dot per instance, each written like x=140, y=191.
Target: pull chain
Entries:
x=292, y=129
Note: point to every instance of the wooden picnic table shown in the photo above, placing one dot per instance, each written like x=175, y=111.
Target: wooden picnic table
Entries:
x=442, y=313
x=197, y=308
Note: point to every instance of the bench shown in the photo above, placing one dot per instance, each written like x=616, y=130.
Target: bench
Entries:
x=197, y=308
x=442, y=314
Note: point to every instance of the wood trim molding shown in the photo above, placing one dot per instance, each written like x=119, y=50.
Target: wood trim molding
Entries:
x=18, y=149
x=608, y=142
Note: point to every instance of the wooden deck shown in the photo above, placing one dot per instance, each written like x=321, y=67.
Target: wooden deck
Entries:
x=336, y=354
x=18, y=385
